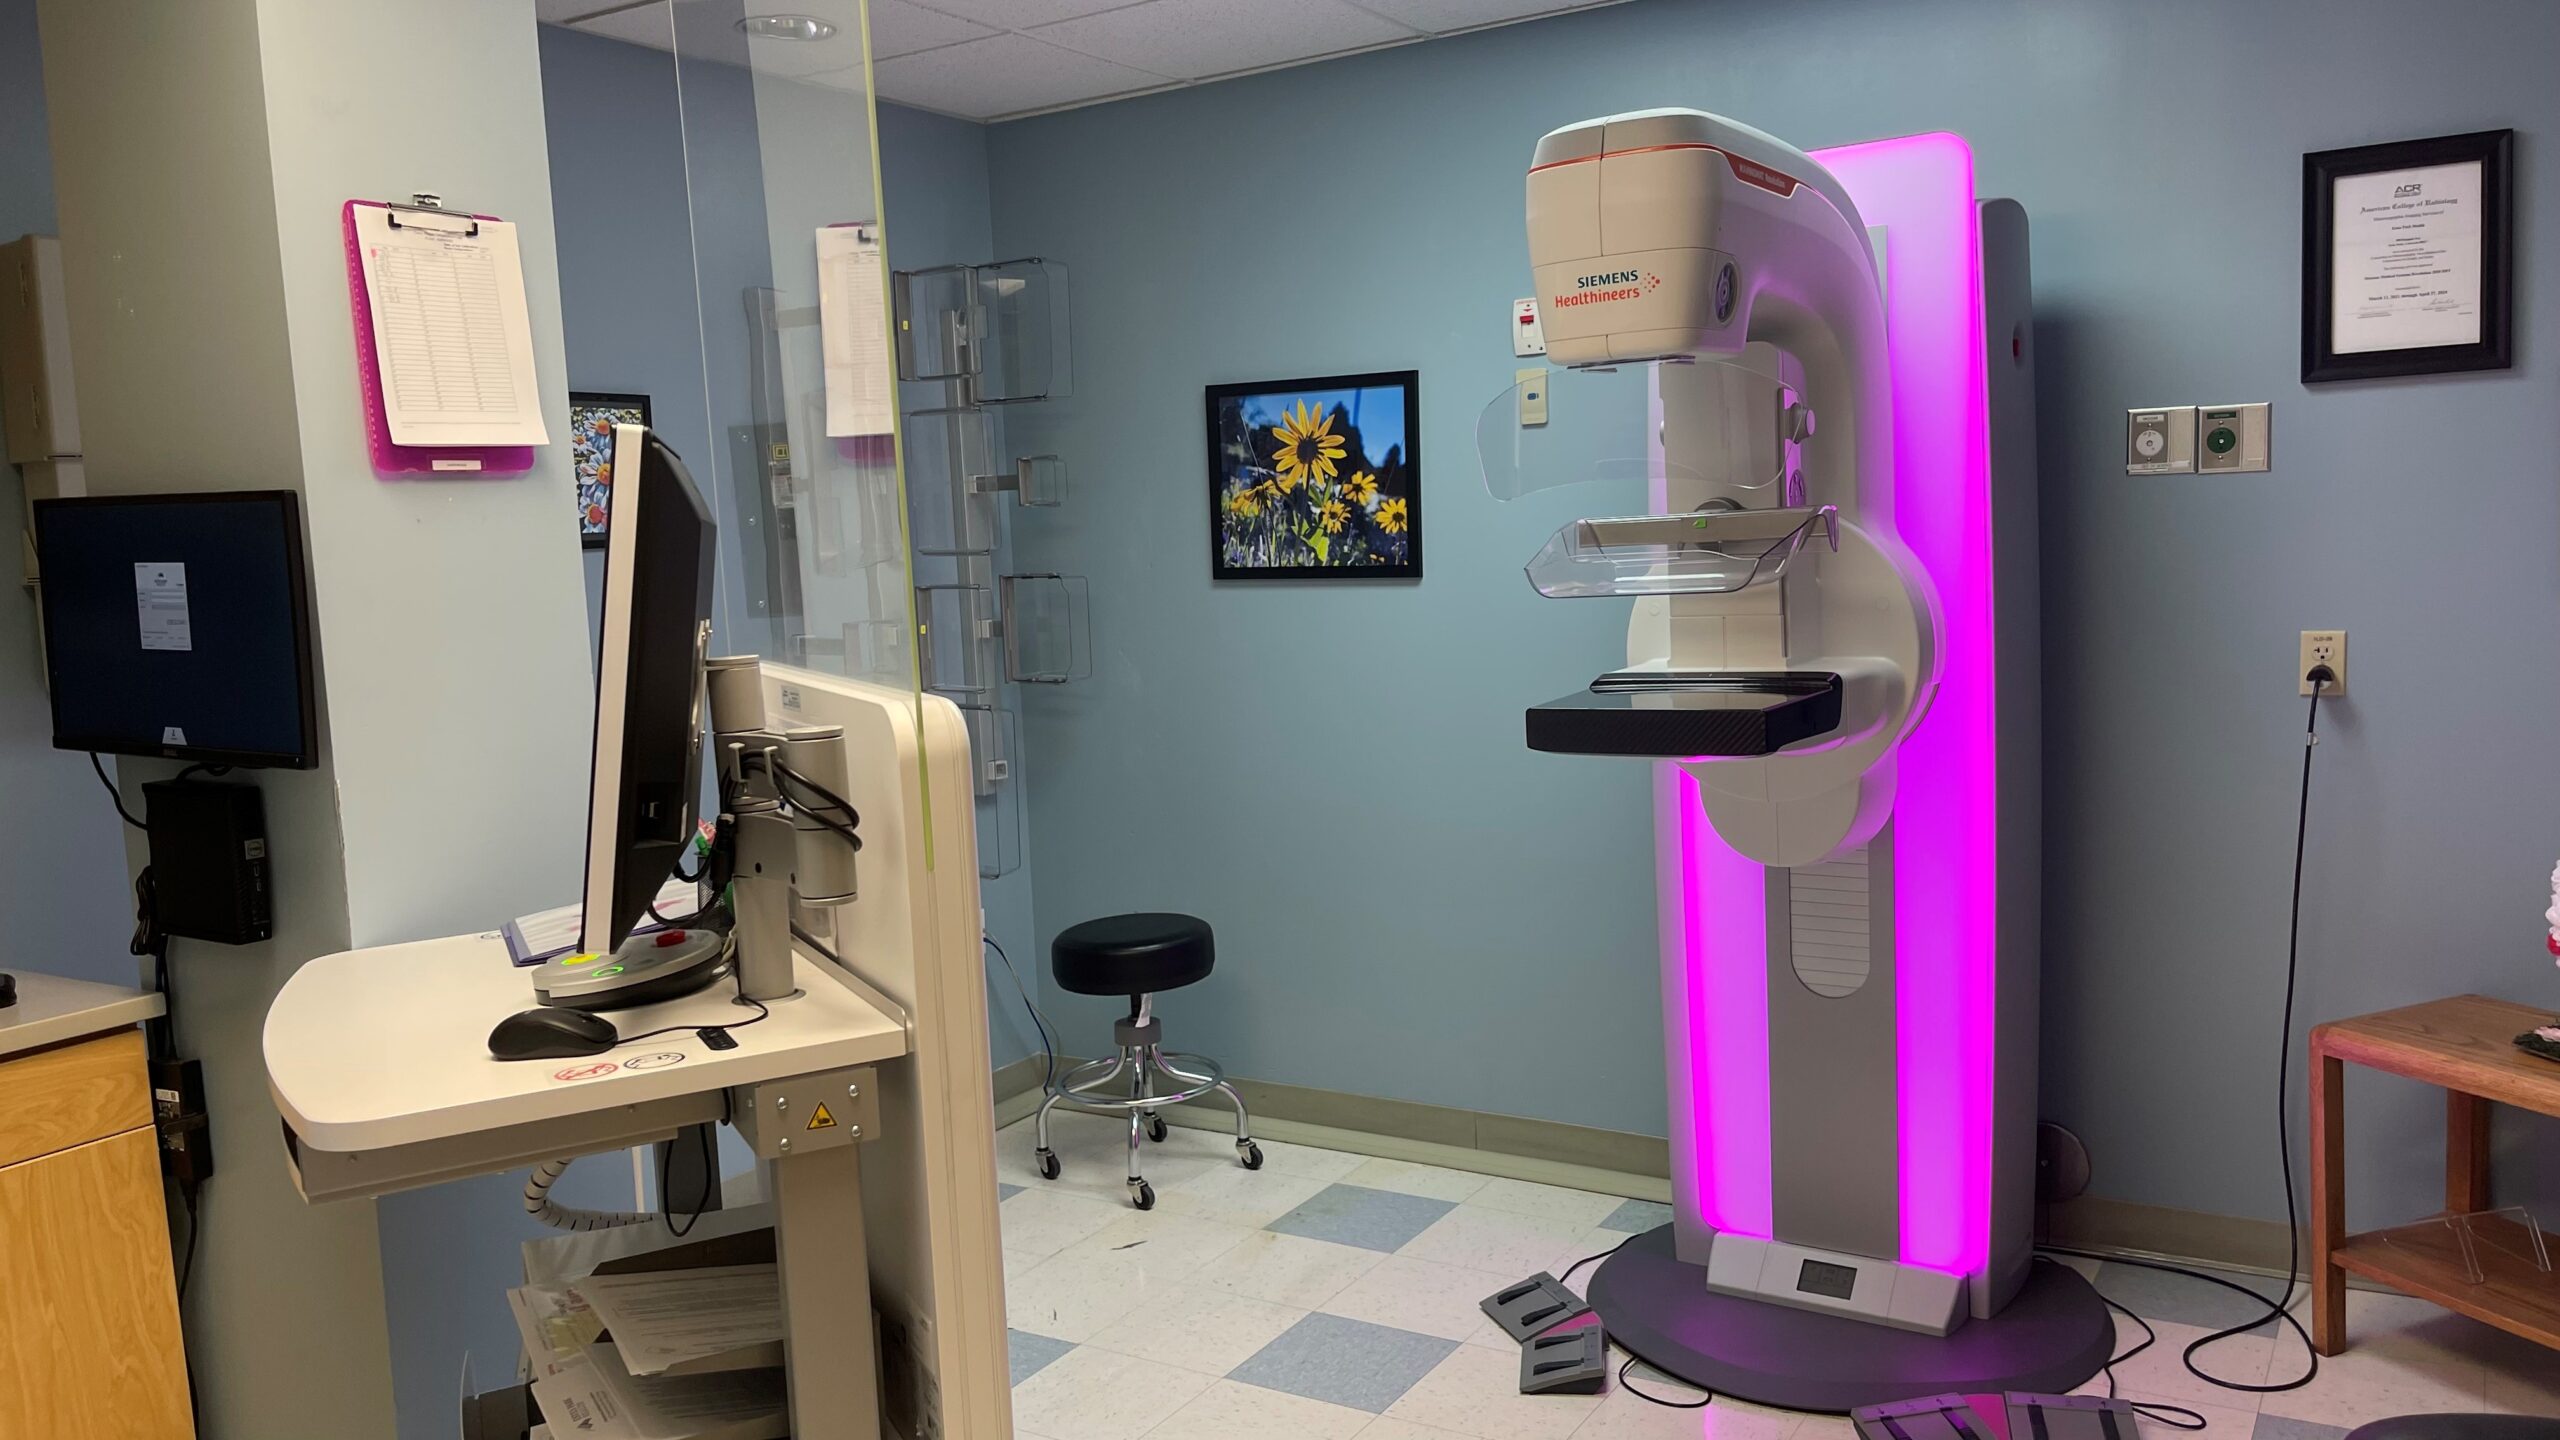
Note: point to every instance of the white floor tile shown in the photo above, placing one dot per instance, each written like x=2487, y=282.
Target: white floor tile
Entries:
x=1231, y=1411
x=1546, y=1202
x=2221, y=1422
x=1387, y=1427
x=1288, y=1269
x=1164, y=1248
x=1423, y=1296
x=1499, y=1241
x=1307, y=1160
x=2363, y=1385
x=1825, y=1427
x=1622, y=1416
x=1406, y=1178
x=1476, y=1392
x=1197, y=1328
x=2159, y=1373
x=1041, y=1222
x=1073, y=1296
x=1251, y=1198
x=1089, y=1394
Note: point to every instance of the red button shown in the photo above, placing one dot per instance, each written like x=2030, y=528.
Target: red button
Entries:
x=668, y=939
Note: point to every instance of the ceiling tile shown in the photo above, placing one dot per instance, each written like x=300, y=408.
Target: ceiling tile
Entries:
x=1020, y=14
x=900, y=28
x=640, y=25
x=561, y=12
x=1003, y=75
x=1441, y=16
x=1199, y=38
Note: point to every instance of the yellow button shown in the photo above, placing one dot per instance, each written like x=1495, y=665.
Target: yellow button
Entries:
x=582, y=960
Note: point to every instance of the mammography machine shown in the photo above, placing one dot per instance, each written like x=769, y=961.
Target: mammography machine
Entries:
x=839, y=1027
x=1817, y=369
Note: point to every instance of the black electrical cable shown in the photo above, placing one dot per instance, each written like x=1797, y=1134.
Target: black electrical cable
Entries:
x=761, y=1012
x=195, y=1226
x=2321, y=677
x=1567, y=1276
x=112, y=793
x=710, y=1178
x=1708, y=1396
x=1039, y=1023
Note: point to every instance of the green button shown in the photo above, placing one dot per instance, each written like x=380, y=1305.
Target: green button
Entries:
x=608, y=970
x=2220, y=439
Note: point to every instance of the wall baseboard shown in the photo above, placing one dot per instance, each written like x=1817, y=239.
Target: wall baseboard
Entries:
x=1618, y=1163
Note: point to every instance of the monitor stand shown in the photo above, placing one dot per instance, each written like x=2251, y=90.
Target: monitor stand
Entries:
x=643, y=970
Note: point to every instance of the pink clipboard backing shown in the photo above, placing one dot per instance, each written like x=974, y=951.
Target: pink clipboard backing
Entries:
x=390, y=459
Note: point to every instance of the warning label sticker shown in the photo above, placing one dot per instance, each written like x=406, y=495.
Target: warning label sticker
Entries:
x=821, y=1119
x=585, y=1072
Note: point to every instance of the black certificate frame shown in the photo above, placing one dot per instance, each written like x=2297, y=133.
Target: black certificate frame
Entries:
x=2494, y=152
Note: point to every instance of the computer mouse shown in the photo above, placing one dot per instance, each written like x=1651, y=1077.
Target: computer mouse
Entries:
x=550, y=1033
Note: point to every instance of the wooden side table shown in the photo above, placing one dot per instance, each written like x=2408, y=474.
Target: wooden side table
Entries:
x=2466, y=1046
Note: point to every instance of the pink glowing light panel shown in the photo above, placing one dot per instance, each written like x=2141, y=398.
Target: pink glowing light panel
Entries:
x=1920, y=190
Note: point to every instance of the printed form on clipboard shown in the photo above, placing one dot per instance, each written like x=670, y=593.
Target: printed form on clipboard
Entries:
x=451, y=331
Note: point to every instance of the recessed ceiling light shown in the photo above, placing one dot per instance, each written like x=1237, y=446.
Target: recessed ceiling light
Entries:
x=787, y=27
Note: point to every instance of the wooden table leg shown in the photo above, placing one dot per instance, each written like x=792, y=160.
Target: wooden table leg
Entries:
x=2466, y=1153
x=2328, y=1201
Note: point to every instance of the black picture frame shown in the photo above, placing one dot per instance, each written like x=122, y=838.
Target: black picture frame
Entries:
x=2494, y=152
x=589, y=463
x=1392, y=464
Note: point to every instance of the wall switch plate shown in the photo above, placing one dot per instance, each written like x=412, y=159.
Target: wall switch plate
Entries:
x=1528, y=337
x=2231, y=438
x=1532, y=385
x=2323, y=647
x=2160, y=442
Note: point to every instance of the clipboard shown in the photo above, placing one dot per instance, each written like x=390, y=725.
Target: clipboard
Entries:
x=444, y=461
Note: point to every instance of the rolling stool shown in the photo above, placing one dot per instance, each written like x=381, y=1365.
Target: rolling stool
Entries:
x=1139, y=956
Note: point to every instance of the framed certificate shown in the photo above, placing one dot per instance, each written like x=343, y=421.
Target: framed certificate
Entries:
x=2408, y=255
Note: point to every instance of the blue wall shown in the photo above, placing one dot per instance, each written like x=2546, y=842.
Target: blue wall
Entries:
x=62, y=871
x=1410, y=905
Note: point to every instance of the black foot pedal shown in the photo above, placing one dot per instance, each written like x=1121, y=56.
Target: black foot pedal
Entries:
x=1935, y=1417
x=1538, y=1303
x=1571, y=1362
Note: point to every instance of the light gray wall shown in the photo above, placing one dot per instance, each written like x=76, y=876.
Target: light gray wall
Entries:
x=1411, y=905
x=62, y=875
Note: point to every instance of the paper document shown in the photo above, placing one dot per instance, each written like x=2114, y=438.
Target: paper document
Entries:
x=538, y=1432
x=160, y=594
x=2405, y=259
x=532, y=939
x=723, y=1317
x=853, y=330
x=556, y=1323
x=451, y=331
x=595, y=1398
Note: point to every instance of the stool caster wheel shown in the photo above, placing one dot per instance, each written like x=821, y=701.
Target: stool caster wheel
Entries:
x=1144, y=1196
x=1249, y=1155
x=1156, y=1128
x=1048, y=1164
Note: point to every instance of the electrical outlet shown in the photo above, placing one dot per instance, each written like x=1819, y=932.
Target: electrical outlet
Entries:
x=2323, y=647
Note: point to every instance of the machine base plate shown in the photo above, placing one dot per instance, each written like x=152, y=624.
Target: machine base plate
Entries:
x=2051, y=1339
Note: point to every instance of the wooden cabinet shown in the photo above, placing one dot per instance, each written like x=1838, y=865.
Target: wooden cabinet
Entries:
x=89, y=1341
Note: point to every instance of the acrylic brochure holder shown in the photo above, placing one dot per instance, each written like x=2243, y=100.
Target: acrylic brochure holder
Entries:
x=454, y=461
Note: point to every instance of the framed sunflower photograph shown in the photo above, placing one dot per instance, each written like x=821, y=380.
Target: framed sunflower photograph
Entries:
x=1316, y=479
x=592, y=417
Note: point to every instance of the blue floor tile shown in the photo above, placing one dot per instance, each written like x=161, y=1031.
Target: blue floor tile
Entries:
x=1006, y=1192
x=2277, y=1427
x=1032, y=1353
x=1636, y=1217
x=1344, y=1362
x=1380, y=1220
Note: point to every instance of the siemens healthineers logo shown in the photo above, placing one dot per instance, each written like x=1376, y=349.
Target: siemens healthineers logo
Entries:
x=1609, y=285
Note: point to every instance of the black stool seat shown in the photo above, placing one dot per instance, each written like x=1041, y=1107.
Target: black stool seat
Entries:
x=1132, y=954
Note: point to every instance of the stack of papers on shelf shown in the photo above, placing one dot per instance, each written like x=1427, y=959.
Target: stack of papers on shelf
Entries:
x=682, y=1322
x=532, y=939
x=595, y=1398
x=556, y=1324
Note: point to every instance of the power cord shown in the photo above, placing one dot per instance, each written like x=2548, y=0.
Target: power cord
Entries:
x=2321, y=678
x=1039, y=1022
x=1709, y=1396
x=112, y=792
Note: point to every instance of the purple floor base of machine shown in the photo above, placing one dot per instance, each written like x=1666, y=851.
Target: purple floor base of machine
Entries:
x=2051, y=1339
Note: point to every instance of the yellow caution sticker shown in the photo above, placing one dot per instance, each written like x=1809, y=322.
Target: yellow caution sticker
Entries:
x=822, y=1120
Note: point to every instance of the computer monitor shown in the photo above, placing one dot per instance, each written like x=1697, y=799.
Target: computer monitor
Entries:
x=178, y=626
x=649, y=708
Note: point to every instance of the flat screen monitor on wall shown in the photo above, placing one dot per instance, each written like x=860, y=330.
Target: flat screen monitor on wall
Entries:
x=178, y=626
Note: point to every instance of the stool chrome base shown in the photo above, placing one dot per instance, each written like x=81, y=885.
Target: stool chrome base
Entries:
x=1143, y=1060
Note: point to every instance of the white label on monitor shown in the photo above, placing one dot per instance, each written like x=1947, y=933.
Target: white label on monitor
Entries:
x=172, y=735
x=160, y=594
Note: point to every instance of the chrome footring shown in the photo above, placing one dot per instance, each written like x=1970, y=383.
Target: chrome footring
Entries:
x=1080, y=1087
